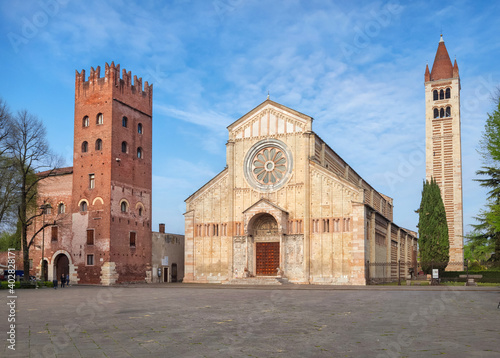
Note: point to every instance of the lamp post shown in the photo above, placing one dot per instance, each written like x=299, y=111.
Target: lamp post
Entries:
x=44, y=208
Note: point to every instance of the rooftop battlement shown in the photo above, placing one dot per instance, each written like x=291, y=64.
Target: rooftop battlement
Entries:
x=111, y=82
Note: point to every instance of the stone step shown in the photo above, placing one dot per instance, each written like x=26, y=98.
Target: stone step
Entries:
x=256, y=281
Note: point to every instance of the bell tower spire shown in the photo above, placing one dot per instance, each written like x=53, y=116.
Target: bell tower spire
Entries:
x=443, y=144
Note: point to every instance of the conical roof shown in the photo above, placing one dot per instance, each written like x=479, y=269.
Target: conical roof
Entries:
x=442, y=67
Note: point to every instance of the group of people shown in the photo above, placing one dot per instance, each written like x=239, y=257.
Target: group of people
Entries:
x=64, y=281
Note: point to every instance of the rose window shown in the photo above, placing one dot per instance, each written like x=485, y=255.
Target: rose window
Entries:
x=269, y=165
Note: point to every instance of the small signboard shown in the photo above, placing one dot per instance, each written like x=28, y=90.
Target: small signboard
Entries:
x=164, y=261
x=435, y=273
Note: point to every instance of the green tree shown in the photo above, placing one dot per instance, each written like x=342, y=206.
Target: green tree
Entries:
x=486, y=234
x=11, y=240
x=433, y=242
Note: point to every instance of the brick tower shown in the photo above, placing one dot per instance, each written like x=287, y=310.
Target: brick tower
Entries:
x=111, y=197
x=443, y=144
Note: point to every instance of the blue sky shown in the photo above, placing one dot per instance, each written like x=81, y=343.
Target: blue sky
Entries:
x=357, y=67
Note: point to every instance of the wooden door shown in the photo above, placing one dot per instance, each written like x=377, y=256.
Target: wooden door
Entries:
x=174, y=272
x=268, y=258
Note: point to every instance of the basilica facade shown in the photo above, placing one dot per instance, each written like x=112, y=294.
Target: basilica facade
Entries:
x=288, y=207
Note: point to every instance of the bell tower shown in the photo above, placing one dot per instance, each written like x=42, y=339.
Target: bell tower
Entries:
x=111, y=198
x=443, y=144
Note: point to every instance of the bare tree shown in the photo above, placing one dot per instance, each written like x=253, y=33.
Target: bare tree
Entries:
x=32, y=160
x=4, y=118
x=8, y=182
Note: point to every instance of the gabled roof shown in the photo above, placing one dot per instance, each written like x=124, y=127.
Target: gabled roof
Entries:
x=267, y=102
x=56, y=171
x=210, y=182
x=265, y=201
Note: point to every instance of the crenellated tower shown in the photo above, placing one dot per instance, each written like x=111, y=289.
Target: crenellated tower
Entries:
x=111, y=198
x=443, y=144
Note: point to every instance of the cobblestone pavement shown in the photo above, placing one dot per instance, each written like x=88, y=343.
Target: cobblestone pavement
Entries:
x=182, y=320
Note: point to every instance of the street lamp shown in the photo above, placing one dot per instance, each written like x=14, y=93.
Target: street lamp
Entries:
x=44, y=208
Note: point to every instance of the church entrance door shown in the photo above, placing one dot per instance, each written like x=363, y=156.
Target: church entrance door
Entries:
x=61, y=266
x=268, y=258
x=264, y=229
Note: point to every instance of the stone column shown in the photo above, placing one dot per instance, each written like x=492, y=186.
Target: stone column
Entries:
x=388, y=260
x=189, y=254
x=230, y=231
x=309, y=145
x=372, y=243
x=357, y=247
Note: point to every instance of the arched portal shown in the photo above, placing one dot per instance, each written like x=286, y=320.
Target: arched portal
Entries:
x=61, y=266
x=265, y=232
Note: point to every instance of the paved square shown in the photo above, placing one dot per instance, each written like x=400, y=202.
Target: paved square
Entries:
x=182, y=320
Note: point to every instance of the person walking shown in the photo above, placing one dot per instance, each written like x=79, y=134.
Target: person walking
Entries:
x=67, y=280
x=62, y=280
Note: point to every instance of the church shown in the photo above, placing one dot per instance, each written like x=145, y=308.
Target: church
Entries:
x=287, y=206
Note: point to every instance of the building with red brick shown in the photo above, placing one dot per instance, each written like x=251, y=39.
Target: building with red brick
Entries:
x=101, y=207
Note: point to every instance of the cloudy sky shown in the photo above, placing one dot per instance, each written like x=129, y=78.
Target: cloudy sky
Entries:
x=357, y=67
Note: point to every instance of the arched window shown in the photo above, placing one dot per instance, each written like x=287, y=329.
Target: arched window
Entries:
x=124, y=122
x=124, y=147
x=85, y=121
x=448, y=111
x=436, y=113
x=139, y=153
x=435, y=95
x=99, y=119
x=98, y=144
x=140, y=211
x=85, y=147
x=60, y=208
x=124, y=207
x=448, y=93
x=83, y=206
x=139, y=128
x=441, y=113
x=441, y=94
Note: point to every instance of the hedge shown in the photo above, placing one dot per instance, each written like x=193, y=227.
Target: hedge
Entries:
x=21, y=284
x=5, y=285
x=489, y=276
